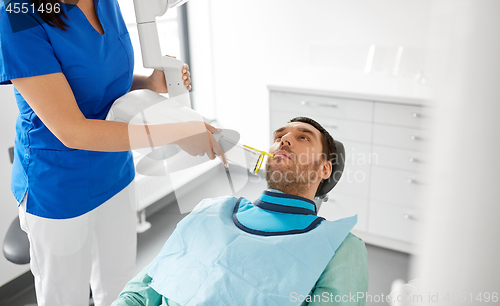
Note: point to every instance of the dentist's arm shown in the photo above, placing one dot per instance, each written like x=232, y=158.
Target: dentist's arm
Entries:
x=52, y=99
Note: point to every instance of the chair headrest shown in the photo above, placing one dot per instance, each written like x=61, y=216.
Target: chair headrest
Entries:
x=337, y=170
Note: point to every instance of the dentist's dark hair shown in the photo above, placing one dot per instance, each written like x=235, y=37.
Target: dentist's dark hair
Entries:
x=329, y=147
x=52, y=19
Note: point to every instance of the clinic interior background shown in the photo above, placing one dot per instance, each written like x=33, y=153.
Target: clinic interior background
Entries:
x=238, y=48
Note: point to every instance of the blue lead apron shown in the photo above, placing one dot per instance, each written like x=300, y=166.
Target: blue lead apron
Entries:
x=61, y=182
x=231, y=251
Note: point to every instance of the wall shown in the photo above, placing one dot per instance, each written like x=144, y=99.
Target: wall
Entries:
x=254, y=42
x=462, y=194
x=8, y=206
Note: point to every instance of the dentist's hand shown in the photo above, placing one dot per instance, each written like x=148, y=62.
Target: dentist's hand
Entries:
x=157, y=82
x=199, y=140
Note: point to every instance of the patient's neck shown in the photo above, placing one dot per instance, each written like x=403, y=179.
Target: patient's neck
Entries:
x=294, y=190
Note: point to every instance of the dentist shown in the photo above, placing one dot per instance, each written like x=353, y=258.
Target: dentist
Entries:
x=73, y=171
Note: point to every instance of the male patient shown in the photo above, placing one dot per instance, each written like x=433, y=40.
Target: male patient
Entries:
x=273, y=251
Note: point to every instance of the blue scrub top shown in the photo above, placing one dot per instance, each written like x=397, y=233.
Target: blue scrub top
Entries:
x=61, y=182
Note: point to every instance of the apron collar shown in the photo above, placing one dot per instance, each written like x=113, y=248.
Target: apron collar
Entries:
x=277, y=201
x=275, y=213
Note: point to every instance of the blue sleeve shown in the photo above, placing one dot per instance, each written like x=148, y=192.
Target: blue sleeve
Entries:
x=138, y=293
x=24, y=53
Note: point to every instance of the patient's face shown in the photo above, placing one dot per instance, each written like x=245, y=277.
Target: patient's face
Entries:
x=297, y=150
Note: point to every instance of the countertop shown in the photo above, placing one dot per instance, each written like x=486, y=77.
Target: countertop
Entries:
x=353, y=85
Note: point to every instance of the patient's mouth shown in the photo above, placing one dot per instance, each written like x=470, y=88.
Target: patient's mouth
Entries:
x=282, y=154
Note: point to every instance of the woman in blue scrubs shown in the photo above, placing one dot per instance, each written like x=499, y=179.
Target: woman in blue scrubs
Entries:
x=73, y=171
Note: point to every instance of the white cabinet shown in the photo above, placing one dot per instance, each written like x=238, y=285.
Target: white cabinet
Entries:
x=343, y=129
x=404, y=159
x=399, y=137
x=384, y=143
x=341, y=206
x=395, y=114
x=394, y=221
x=355, y=180
x=395, y=186
x=314, y=105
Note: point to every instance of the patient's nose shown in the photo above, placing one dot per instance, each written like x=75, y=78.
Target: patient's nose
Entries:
x=286, y=140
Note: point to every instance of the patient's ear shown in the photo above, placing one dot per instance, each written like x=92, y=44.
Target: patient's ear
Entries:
x=326, y=170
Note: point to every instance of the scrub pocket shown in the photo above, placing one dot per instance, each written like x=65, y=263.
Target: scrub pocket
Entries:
x=58, y=183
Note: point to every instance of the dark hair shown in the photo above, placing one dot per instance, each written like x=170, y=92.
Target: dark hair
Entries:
x=329, y=147
x=52, y=19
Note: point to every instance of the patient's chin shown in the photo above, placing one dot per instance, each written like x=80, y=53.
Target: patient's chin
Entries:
x=277, y=178
x=291, y=178
x=280, y=167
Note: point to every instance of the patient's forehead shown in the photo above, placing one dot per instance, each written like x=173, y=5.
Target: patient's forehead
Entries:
x=299, y=127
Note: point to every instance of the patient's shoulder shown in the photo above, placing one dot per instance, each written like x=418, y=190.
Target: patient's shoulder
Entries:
x=351, y=253
x=354, y=241
x=352, y=247
x=348, y=268
x=211, y=202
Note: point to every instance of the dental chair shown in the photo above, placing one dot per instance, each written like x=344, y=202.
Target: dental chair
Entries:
x=16, y=247
x=337, y=170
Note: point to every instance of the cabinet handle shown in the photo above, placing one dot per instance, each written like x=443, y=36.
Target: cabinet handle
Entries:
x=412, y=160
x=410, y=217
x=330, y=126
x=415, y=115
x=309, y=103
x=411, y=181
x=414, y=137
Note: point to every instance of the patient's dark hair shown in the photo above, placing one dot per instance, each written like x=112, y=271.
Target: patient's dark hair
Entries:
x=52, y=19
x=329, y=147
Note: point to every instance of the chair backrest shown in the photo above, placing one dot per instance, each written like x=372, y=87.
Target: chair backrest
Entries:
x=337, y=170
x=16, y=246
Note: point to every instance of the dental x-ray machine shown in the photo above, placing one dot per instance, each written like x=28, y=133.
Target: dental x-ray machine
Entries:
x=148, y=107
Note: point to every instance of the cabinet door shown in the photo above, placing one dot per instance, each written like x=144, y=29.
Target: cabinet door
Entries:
x=341, y=206
x=400, y=137
x=327, y=106
x=404, y=115
x=402, y=159
x=355, y=179
x=338, y=128
x=150, y=189
x=396, y=186
x=394, y=221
